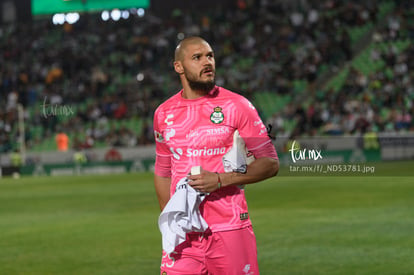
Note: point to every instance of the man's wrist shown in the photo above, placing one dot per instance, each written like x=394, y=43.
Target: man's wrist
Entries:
x=226, y=178
x=218, y=180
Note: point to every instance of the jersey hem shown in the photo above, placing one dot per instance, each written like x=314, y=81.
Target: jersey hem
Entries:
x=227, y=227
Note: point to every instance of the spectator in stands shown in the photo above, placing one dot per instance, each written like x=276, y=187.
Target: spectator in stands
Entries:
x=147, y=134
x=121, y=110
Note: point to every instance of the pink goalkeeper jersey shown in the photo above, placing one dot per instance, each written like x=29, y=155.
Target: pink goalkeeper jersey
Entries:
x=199, y=132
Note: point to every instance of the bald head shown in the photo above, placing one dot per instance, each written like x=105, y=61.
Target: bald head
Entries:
x=182, y=46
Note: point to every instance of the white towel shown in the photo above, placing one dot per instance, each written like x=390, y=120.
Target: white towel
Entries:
x=237, y=158
x=181, y=215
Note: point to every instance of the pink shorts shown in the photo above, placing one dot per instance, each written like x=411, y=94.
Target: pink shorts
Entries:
x=228, y=252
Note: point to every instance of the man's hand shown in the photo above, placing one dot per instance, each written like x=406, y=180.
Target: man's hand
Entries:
x=260, y=169
x=205, y=182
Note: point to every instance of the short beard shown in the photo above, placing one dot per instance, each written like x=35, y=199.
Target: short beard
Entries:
x=201, y=86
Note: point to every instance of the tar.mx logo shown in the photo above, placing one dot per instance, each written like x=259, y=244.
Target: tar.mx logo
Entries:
x=297, y=153
x=49, y=109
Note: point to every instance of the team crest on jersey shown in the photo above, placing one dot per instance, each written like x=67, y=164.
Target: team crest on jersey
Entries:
x=217, y=116
x=158, y=136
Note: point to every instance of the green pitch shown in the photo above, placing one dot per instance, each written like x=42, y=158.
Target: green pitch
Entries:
x=304, y=225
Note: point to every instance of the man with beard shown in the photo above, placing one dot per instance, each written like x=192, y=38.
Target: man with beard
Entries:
x=196, y=127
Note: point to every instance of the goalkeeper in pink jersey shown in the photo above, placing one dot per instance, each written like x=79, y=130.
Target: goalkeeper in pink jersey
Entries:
x=196, y=127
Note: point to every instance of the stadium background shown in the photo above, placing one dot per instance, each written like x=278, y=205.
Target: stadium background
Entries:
x=334, y=76
x=332, y=69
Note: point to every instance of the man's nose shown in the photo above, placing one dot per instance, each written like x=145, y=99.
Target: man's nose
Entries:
x=209, y=60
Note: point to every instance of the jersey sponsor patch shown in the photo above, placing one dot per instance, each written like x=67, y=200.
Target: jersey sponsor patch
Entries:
x=244, y=216
x=206, y=152
x=168, y=120
x=169, y=133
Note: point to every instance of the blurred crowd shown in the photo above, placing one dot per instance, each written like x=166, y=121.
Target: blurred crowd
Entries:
x=379, y=101
x=93, y=78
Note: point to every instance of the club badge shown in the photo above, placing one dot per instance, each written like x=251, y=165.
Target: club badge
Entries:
x=158, y=136
x=217, y=116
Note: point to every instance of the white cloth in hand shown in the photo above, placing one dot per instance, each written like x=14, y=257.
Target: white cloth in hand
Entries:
x=181, y=215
